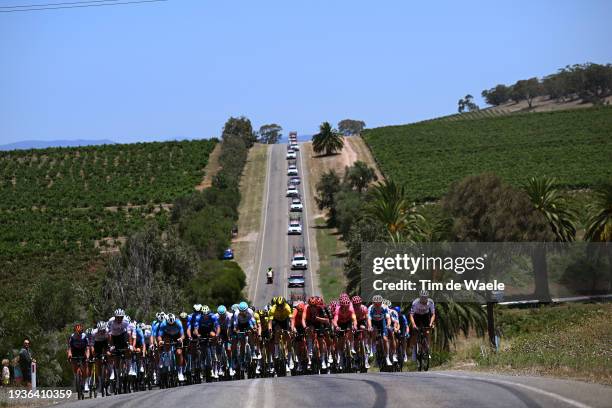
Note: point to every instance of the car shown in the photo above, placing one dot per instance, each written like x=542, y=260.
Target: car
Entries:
x=295, y=227
x=292, y=191
x=295, y=180
x=295, y=146
x=299, y=261
x=228, y=254
x=291, y=155
x=292, y=170
x=296, y=204
x=296, y=281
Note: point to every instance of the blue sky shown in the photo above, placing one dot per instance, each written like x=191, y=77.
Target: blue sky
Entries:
x=180, y=68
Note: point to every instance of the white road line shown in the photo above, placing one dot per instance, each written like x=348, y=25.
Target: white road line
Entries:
x=527, y=387
x=262, y=237
x=306, y=219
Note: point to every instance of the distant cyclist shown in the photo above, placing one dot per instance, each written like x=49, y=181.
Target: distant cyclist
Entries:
x=422, y=314
x=379, y=320
x=171, y=330
x=78, y=349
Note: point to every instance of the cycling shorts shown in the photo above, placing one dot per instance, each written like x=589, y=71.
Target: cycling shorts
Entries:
x=282, y=324
x=78, y=352
x=380, y=326
x=346, y=325
x=120, y=342
x=100, y=347
x=422, y=320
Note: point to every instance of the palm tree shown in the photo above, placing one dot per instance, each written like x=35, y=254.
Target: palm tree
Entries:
x=599, y=224
x=547, y=201
x=327, y=140
x=454, y=318
x=390, y=206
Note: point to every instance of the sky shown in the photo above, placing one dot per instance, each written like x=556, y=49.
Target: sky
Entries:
x=180, y=68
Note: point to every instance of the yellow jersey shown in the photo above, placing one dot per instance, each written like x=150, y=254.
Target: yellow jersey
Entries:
x=280, y=313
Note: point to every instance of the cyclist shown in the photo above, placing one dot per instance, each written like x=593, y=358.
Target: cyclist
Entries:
x=270, y=274
x=279, y=325
x=361, y=314
x=298, y=328
x=393, y=329
x=345, y=320
x=264, y=319
x=403, y=332
x=422, y=314
x=100, y=345
x=171, y=330
x=314, y=319
x=244, y=321
x=208, y=327
x=192, y=319
x=378, y=319
x=140, y=346
x=225, y=321
x=78, y=349
x=119, y=338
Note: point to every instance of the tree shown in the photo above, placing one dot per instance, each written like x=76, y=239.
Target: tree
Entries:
x=359, y=175
x=239, y=127
x=270, y=134
x=390, y=206
x=327, y=140
x=496, y=96
x=327, y=187
x=349, y=127
x=599, y=224
x=546, y=200
x=467, y=102
x=526, y=89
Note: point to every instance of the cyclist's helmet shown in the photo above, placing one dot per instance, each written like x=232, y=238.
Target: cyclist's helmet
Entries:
x=397, y=309
x=424, y=293
x=320, y=301
x=171, y=318
x=158, y=316
x=274, y=300
x=221, y=310
x=89, y=331
x=312, y=300
x=356, y=300
x=344, y=295
x=143, y=326
x=119, y=313
x=235, y=307
x=345, y=301
x=280, y=301
x=377, y=299
x=101, y=325
x=197, y=307
x=386, y=302
x=262, y=313
x=243, y=306
x=333, y=304
x=183, y=315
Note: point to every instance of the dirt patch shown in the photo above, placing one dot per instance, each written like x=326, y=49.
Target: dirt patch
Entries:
x=211, y=169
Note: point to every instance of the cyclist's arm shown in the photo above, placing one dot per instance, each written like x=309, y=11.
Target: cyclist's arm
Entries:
x=354, y=319
x=412, y=320
x=182, y=332
x=432, y=320
x=304, y=313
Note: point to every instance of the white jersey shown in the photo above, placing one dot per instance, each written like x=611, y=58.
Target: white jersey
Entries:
x=422, y=308
x=116, y=329
x=99, y=335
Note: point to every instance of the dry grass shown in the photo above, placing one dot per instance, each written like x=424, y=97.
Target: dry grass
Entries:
x=252, y=188
x=211, y=169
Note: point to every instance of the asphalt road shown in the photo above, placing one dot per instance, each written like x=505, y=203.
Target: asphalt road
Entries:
x=274, y=246
x=432, y=389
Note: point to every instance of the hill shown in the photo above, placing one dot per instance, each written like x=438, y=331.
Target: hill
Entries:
x=43, y=144
x=574, y=146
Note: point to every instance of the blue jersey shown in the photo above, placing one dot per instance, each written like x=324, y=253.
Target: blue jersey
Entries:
x=208, y=323
x=172, y=330
x=139, y=337
x=379, y=315
x=193, y=320
x=154, y=328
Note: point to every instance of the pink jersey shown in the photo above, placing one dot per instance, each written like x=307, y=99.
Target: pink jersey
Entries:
x=344, y=314
x=361, y=313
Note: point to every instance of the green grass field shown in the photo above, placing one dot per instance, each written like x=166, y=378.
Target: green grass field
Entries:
x=574, y=146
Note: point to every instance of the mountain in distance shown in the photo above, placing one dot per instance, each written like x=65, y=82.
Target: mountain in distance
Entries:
x=42, y=144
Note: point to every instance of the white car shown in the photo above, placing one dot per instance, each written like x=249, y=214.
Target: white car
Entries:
x=296, y=205
x=295, y=146
x=291, y=155
x=292, y=191
x=292, y=170
x=299, y=261
x=294, y=227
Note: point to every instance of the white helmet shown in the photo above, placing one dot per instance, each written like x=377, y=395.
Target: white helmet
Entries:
x=424, y=293
x=197, y=307
x=101, y=325
x=119, y=313
x=171, y=318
